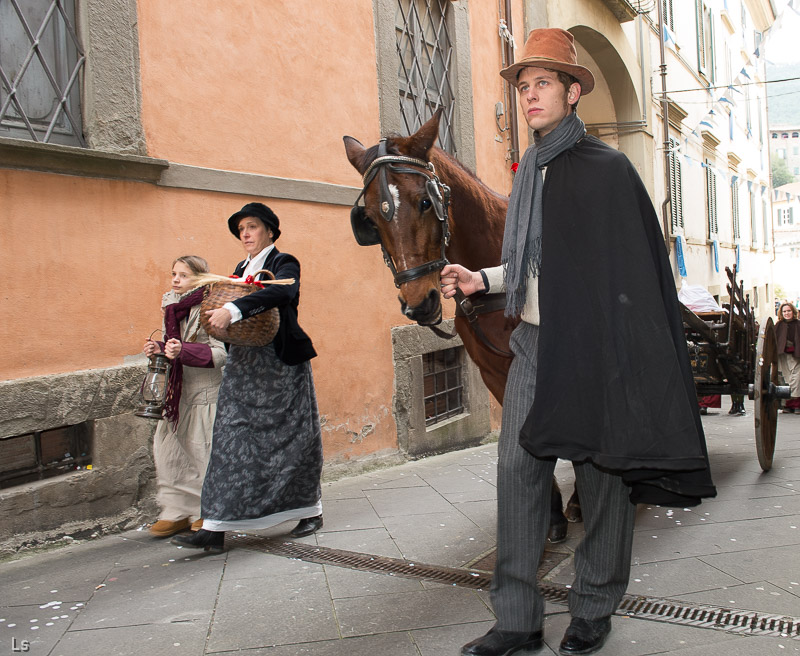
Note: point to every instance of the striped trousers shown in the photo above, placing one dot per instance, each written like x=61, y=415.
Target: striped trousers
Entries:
x=602, y=559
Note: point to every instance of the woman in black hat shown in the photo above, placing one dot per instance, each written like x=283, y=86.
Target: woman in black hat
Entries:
x=266, y=454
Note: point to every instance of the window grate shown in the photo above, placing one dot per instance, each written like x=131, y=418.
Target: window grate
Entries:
x=44, y=454
x=711, y=200
x=425, y=54
x=675, y=184
x=443, y=386
x=41, y=61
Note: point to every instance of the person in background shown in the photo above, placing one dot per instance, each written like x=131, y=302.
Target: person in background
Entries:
x=710, y=401
x=182, y=441
x=787, y=333
x=266, y=458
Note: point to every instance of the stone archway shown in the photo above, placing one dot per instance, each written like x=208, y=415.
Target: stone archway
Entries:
x=616, y=111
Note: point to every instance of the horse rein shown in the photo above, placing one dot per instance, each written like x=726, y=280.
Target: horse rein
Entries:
x=366, y=234
x=470, y=308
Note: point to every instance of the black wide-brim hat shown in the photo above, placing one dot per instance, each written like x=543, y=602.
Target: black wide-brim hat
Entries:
x=259, y=211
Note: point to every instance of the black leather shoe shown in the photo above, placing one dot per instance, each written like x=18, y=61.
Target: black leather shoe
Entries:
x=585, y=636
x=307, y=526
x=503, y=643
x=213, y=541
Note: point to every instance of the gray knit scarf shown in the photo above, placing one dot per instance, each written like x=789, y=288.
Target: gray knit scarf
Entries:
x=522, y=240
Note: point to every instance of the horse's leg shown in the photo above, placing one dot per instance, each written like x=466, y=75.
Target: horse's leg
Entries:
x=573, y=512
x=558, y=523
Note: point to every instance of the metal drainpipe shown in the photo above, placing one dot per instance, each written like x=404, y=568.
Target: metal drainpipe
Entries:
x=512, y=104
x=665, y=115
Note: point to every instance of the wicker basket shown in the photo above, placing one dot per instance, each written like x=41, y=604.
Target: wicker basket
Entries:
x=258, y=330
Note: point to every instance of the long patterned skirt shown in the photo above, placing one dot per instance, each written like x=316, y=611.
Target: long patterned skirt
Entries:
x=266, y=454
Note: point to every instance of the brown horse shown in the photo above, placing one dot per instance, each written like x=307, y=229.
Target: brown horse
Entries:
x=408, y=215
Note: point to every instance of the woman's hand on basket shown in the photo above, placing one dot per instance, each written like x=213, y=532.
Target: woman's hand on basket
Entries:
x=150, y=347
x=172, y=348
x=219, y=318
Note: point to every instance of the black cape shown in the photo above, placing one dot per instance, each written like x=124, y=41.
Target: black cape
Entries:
x=614, y=384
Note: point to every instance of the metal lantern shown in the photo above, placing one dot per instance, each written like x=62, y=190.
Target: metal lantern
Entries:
x=153, y=392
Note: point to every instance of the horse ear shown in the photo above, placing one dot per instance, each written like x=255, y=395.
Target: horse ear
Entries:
x=355, y=153
x=419, y=143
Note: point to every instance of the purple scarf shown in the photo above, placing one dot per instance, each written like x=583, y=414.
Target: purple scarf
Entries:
x=173, y=315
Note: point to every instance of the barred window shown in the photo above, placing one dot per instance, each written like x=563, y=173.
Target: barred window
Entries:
x=425, y=59
x=737, y=231
x=753, y=219
x=41, y=62
x=443, y=386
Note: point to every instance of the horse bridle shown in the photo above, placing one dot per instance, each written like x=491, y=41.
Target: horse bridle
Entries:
x=366, y=232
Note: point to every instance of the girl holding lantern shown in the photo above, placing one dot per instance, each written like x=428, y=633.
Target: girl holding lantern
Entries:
x=182, y=441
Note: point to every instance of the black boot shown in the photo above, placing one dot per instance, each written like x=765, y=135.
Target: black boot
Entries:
x=307, y=526
x=213, y=541
x=585, y=636
x=503, y=643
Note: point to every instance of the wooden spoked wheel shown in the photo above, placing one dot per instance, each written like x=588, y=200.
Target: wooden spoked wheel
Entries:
x=765, y=400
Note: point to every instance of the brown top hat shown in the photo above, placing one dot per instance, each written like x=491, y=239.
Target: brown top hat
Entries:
x=551, y=48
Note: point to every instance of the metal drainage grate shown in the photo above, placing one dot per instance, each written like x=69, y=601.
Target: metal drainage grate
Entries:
x=745, y=622
x=731, y=620
x=365, y=562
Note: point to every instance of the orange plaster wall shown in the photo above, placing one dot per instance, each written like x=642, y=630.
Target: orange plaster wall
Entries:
x=265, y=87
x=487, y=89
x=229, y=88
x=90, y=259
x=492, y=165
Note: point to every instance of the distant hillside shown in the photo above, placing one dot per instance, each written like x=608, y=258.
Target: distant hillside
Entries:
x=783, y=98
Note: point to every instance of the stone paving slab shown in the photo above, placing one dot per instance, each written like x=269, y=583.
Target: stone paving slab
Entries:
x=290, y=605
x=179, y=639
x=396, y=644
x=778, y=564
x=448, y=539
x=411, y=610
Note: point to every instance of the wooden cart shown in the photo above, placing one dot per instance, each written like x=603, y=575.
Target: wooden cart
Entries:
x=731, y=354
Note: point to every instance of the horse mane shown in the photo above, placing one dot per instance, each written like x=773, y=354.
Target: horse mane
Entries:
x=445, y=161
x=441, y=160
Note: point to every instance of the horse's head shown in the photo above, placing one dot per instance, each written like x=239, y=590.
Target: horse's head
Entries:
x=405, y=211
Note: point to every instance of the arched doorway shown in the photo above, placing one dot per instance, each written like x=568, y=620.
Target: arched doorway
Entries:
x=615, y=110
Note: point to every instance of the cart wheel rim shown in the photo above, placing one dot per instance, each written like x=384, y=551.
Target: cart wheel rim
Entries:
x=766, y=405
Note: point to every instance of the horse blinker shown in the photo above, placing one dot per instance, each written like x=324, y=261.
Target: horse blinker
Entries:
x=364, y=230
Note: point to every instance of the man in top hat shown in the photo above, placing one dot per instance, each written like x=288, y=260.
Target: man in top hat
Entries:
x=585, y=268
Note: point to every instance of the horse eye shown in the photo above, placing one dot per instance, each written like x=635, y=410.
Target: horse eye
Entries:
x=425, y=204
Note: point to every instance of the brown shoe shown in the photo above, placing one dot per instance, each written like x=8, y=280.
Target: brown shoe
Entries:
x=197, y=524
x=163, y=528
